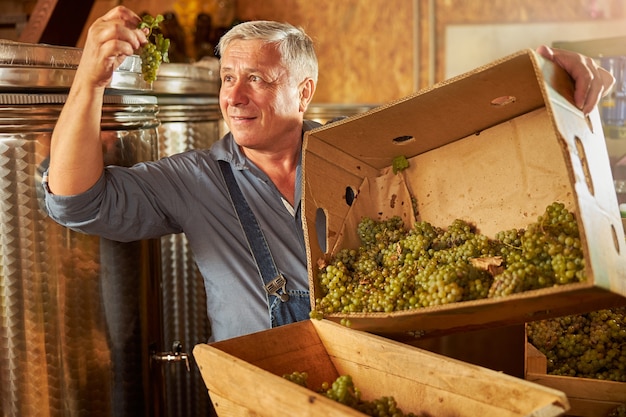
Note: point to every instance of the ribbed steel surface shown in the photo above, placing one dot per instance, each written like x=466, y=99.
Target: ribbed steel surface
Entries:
x=193, y=122
x=186, y=123
x=72, y=307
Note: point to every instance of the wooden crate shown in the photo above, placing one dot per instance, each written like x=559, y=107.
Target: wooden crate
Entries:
x=493, y=147
x=244, y=376
x=587, y=397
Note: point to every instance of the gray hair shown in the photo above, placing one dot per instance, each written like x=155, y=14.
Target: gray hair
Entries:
x=293, y=44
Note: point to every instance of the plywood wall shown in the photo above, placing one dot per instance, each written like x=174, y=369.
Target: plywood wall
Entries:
x=376, y=51
x=365, y=47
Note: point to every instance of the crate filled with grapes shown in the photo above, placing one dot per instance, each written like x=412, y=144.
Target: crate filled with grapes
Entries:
x=484, y=201
x=583, y=355
x=321, y=368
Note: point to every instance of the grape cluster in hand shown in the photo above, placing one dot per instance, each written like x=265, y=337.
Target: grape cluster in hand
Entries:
x=156, y=50
x=396, y=269
x=343, y=391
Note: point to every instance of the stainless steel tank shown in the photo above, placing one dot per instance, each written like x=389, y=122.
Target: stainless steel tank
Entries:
x=77, y=312
x=328, y=112
x=189, y=113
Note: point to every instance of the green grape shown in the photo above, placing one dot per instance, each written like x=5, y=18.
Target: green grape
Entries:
x=399, y=163
x=154, y=52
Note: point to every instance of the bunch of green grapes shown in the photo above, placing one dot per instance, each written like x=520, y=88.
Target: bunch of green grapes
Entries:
x=343, y=391
x=156, y=50
x=297, y=378
x=548, y=252
x=591, y=345
x=396, y=269
x=378, y=234
x=619, y=411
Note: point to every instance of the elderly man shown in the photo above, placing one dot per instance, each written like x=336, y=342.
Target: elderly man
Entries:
x=242, y=193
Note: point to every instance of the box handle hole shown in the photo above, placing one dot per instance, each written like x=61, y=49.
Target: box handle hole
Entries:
x=320, y=228
x=615, y=239
x=588, y=120
x=350, y=195
x=583, y=160
x=503, y=100
x=401, y=140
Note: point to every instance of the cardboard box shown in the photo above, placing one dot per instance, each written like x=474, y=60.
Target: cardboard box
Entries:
x=244, y=376
x=494, y=147
x=587, y=397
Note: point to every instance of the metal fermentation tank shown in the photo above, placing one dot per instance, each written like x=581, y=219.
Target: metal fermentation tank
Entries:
x=190, y=118
x=77, y=312
x=328, y=112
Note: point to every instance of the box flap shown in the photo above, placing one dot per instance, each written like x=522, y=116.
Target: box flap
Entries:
x=434, y=117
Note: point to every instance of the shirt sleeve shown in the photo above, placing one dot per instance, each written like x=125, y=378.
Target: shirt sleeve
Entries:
x=122, y=205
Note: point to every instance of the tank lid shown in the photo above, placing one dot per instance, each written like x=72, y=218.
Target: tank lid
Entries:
x=41, y=66
x=199, y=78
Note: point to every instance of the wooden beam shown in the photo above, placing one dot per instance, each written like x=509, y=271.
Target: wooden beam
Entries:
x=57, y=22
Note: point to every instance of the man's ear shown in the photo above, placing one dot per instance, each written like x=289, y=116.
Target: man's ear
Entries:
x=307, y=88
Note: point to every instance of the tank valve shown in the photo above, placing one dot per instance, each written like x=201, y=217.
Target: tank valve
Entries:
x=175, y=355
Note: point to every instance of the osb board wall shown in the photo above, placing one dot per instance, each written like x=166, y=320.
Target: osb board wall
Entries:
x=13, y=17
x=365, y=47
x=376, y=51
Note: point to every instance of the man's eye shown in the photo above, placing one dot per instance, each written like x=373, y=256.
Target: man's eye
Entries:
x=255, y=78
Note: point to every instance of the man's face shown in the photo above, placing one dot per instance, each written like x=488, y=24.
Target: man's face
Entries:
x=260, y=101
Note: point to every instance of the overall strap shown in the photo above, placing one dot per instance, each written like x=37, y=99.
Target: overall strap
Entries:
x=273, y=280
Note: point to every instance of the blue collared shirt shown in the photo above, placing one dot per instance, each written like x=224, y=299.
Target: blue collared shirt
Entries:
x=185, y=193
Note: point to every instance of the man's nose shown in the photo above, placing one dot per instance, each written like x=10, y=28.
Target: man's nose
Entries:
x=237, y=93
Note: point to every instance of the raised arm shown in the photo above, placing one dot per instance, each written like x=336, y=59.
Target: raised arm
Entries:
x=76, y=160
x=591, y=80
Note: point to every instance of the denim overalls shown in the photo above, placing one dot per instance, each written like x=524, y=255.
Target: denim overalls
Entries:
x=284, y=306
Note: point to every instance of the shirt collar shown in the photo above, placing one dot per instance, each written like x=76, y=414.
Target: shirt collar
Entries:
x=226, y=149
